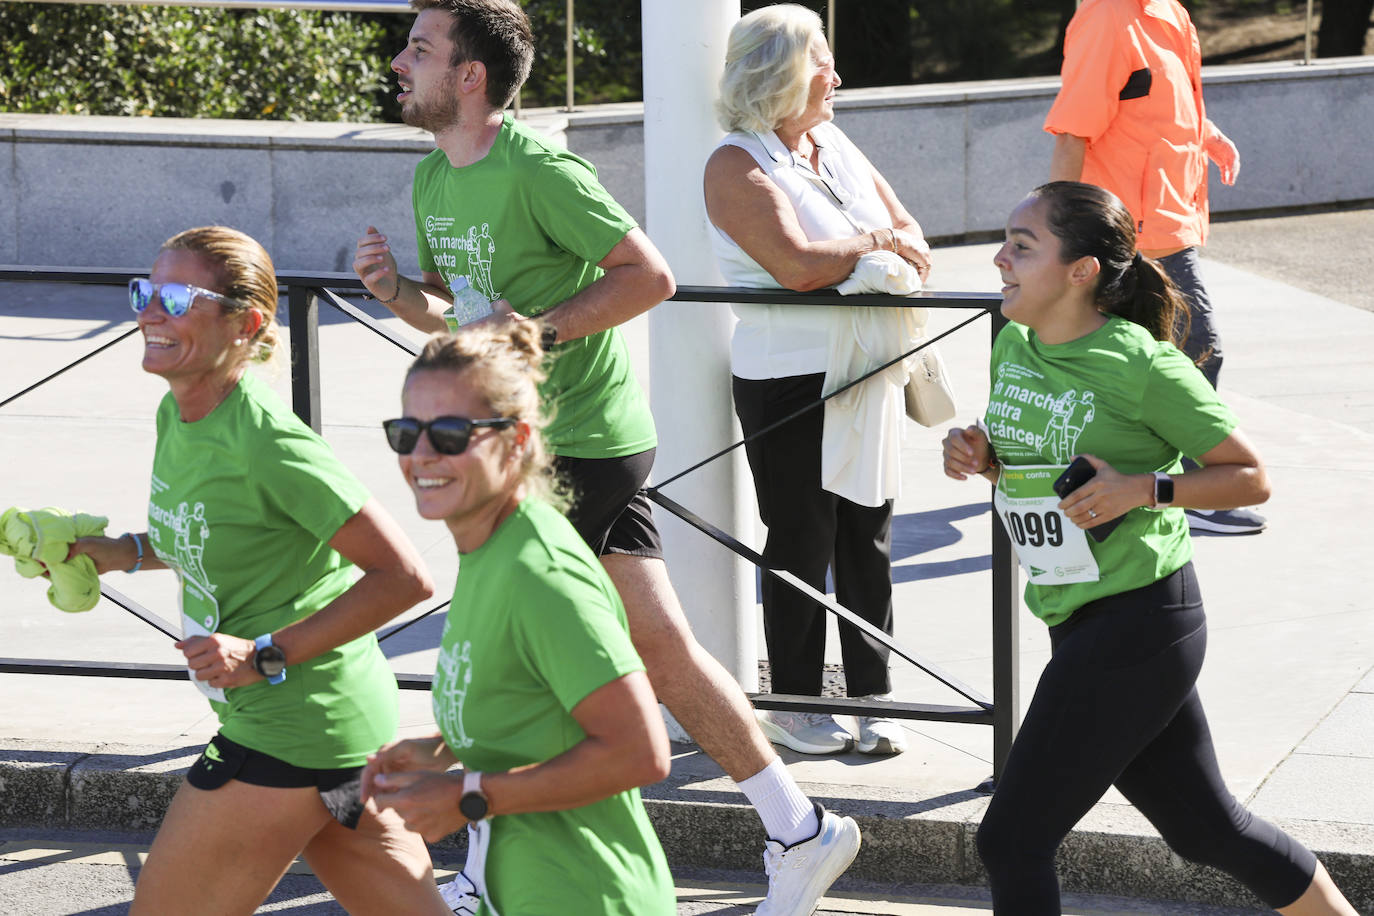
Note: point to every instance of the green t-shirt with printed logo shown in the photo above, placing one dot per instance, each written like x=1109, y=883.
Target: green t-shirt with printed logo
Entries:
x=243, y=504
x=1122, y=396
x=535, y=627
x=529, y=223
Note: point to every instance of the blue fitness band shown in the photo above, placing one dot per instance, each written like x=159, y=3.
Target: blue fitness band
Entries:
x=138, y=545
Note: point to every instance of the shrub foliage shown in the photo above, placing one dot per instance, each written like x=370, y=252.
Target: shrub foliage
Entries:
x=189, y=62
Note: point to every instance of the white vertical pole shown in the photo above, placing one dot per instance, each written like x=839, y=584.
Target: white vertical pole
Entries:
x=568, y=56
x=689, y=342
x=1307, y=36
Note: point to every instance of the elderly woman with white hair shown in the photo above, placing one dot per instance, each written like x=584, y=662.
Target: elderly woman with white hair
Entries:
x=795, y=204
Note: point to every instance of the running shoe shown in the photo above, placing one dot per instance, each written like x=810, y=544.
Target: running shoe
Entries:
x=798, y=876
x=879, y=734
x=805, y=732
x=1225, y=521
x=461, y=896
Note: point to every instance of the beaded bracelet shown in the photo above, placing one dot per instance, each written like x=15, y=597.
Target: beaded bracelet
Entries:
x=138, y=545
x=394, y=296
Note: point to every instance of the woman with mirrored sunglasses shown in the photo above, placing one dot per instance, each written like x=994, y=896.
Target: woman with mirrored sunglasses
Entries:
x=538, y=693
x=264, y=527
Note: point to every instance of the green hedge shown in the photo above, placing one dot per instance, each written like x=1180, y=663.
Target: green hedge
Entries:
x=190, y=62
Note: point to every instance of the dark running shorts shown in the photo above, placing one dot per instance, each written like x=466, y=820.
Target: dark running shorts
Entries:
x=223, y=760
x=608, y=510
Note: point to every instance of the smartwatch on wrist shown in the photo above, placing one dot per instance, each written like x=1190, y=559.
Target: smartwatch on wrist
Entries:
x=269, y=660
x=1164, y=491
x=473, y=804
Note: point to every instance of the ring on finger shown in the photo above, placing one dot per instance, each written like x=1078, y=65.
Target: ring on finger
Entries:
x=1092, y=514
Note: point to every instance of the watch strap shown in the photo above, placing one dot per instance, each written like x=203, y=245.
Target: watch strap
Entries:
x=1163, y=491
x=472, y=793
x=263, y=642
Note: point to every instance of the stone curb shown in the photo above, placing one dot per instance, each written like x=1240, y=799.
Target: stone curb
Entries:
x=701, y=824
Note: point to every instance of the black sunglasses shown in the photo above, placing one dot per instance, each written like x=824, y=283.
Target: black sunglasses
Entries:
x=448, y=435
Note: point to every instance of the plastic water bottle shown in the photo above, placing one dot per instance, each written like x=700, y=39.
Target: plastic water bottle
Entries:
x=469, y=305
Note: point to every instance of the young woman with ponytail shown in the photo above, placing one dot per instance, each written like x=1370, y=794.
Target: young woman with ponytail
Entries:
x=1087, y=367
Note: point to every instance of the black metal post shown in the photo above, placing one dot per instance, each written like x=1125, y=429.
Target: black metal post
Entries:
x=1006, y=635
x=303, y=309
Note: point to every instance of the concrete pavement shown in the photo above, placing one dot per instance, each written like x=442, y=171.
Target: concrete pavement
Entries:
x=1288, y=683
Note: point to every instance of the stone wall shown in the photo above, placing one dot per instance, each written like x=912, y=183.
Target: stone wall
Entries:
x=95, y=191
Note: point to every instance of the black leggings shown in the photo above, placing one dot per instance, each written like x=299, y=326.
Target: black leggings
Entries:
x=1117, y=705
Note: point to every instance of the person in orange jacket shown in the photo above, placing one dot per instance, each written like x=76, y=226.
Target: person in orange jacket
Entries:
x=1130, y=118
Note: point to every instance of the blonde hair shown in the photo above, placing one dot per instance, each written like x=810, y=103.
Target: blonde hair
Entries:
x=245, y=274
x=768, y=67
x=505, y=366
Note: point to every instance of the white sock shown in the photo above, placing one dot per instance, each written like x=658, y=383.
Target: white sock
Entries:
x=788, y=815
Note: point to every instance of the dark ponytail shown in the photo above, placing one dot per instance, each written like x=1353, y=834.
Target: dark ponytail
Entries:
x=1092, y=222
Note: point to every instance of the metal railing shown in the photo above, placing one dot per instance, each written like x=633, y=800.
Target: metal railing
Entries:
x=305, y=291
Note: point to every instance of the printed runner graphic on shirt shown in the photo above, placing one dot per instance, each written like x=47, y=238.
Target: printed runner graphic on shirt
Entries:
x=463, y=253
x=1042, y=424
x=451, y=692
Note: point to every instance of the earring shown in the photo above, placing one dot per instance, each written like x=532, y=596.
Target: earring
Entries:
x=238, y=341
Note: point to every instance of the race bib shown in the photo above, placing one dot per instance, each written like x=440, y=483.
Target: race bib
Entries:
x=1051, y=549
x=199, y=613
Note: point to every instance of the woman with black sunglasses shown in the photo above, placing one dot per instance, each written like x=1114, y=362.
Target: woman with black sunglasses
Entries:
x=264, y=527
x=538, y=693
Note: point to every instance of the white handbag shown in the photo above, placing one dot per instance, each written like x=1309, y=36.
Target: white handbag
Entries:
x=929, y=398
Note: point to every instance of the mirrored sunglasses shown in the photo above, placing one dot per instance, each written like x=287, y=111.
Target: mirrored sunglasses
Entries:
x=448, y=435
x=176, y=298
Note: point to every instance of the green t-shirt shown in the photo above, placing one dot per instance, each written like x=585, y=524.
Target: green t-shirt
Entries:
x=1120, y=395
x=529, y=223
x=534, y=628
x=242, y=505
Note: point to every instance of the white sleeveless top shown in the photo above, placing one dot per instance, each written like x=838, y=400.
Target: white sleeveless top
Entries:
x=840, y=201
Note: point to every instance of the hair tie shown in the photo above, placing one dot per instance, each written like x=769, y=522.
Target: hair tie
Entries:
x=1137, y=260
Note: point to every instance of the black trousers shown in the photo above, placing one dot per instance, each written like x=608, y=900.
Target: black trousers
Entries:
x=1117, y=705
x=810, y=530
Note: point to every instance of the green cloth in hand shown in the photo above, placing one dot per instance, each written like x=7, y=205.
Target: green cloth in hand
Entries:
x=39, y=540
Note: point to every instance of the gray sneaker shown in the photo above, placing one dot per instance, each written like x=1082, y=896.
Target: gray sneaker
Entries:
x=798, y=876
x=879, y=734
x=805, y=732
x=1225, y=521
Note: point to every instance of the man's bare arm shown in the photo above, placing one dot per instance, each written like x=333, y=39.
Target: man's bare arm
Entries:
x=1066, y=164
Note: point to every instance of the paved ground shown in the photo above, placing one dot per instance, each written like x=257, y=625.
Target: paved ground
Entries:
x=44, y=874
x=1297, y=250
x=1287, y=684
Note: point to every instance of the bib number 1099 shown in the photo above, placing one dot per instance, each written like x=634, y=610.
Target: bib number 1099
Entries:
x=1035, y=528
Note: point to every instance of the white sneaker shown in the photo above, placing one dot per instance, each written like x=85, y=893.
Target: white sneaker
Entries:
x=879, y=734
x=461, y=896
x=798, y=876
x=805, y=732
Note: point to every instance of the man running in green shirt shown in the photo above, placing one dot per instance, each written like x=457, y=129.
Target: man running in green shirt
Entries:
x=528, y=225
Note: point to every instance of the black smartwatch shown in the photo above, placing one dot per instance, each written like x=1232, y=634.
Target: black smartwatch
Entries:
x=548, y=337
x=269, y=660
x=1164, y=491
x=473, y=804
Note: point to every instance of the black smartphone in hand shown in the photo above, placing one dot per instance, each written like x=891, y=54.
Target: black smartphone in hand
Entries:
x=1079, y=472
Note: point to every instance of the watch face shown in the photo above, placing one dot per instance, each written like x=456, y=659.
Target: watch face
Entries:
x=473, y=806
x=1164, y=491
x=269, y=661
